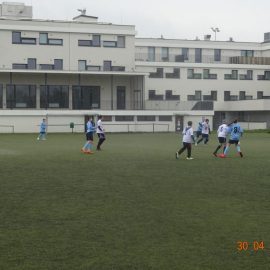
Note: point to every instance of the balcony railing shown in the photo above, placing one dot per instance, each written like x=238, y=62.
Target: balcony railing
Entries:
x=209, y=59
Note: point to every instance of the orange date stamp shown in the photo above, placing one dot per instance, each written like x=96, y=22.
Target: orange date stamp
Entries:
x=255, y=245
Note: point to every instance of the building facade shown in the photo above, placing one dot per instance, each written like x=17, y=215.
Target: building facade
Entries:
x=65, y=70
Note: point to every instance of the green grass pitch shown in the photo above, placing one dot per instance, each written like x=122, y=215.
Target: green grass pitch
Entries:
x=132, y=205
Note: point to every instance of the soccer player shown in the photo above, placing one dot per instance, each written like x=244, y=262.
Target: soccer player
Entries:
x=100, y=132
x=199, y=131
x=188, y=138
x=222, y=134
x=90, y=129
x=42, y=130
x=205, y=132
x=235, y=133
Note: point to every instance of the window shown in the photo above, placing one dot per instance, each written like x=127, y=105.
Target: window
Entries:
x=248, y=76
x=31, y=63
x=185, y=53
x=232, y=76
x=247, y=53
x=175, y=74
x=208, y=75
x=46, y=67
x=107, y=118
x=19, y=66
x=86, y=97
x=124, y=118
x=152, y=95
x=84, y=42
x=21, y=96
x=190, y=73
x=165, y=118
x=121, y=98
x=44, y=40
x=107, y=65
x=58, y=64
x=96, y=41
x=109, y=44
x=146, y=118
x=165, y=54
x=198, y=95
x=54, y=96
x=198, y=55
x=17, y=39
x=169, y=95
x=151, y=54
x=157, y=74
x=227, y=95
x=82, y=65
x=54, y=41
x=30, y=41
x=121, y=42
x=217, y=54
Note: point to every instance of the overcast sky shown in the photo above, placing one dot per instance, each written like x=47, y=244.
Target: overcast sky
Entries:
x=243, y=20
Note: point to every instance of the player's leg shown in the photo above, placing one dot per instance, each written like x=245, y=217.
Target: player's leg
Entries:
x=206, y=138
x=239, y=149
x=181, y=150
x=218, y=147
x=200, y=140
x=189, y=151
x=227, y=147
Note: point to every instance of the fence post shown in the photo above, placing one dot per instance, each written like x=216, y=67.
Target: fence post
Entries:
x=153, y=127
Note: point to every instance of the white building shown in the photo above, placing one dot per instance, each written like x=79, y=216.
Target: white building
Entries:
x=66, y=70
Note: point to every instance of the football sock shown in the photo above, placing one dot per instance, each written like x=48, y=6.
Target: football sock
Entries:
x=85, y=146
x=238, y=148
x=217, y=149
x=226, y=150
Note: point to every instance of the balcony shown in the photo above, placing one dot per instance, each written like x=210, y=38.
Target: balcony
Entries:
x=208, y=59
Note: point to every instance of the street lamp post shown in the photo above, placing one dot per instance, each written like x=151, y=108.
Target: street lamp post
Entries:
x=215, y=30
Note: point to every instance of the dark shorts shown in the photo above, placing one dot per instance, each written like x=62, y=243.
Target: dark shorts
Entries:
x=221, y=139
x=233, y=142
x=198, y=133
x=205, y=136
x=101, y=136
x=89, y=136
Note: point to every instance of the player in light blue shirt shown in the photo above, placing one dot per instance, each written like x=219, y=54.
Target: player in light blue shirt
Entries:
x=236, y=133
x=90, y=129
x=42, y=130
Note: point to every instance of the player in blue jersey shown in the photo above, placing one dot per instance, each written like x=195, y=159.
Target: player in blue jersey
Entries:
x=199, y=130
x=236, y=133
x=90, y=129
x=42, y=130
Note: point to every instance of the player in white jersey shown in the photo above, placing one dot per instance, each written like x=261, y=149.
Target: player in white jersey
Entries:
x=188, y=139
x=222, y=134
x=205, y=132
x=100, y=132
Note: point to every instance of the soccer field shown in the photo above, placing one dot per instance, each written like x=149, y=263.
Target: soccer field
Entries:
x=133, y=205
